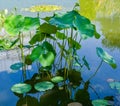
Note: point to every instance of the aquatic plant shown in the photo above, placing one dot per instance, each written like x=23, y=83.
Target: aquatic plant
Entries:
x=54, y=48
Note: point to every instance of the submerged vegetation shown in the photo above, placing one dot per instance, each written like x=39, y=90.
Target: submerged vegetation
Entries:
x=54, y=49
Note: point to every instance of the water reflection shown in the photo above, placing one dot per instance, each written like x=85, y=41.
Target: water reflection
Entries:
x=111, y=31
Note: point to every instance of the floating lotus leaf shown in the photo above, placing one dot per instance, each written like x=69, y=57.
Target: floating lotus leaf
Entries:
x=16, y=66
x=43, y=86
x=112, y=85
x=43, y=8
x=100, y=102
x=106, y=57
x=57, y=79
x=21, y=88
x=115, y=84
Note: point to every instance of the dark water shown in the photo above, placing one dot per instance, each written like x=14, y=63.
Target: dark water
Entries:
x=109, y=41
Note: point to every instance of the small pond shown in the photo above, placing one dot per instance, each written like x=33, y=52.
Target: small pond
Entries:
x=110, y=41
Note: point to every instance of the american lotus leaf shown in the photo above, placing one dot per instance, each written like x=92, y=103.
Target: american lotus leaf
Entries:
x=47, y=59
x=21, y=88
x=43, y=86
x=36, y=53
x=73, y=19
x=47, y=46
x=83, y=25
x=18, y=23
x=106, y=57
x=64, y=20
x=48, y=28
x=38, y=37
x=16, y=66
x=100, y=102
x=57, y=79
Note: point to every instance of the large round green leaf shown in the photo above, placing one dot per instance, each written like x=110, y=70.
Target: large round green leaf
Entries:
x=48, y=28
x=84, y=26
x=36, y=53
x=47, y=46
x=43, y=86
x=46, y=59
x=100, y=102
x=18, y=23
x=57, y=79
x=73, y=19
x=63, y=20
x=21, y=88
x=106, y=57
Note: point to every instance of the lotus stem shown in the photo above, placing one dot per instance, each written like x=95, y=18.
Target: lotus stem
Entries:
x=96, y=70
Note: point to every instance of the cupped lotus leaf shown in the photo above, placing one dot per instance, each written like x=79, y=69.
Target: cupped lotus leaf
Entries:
x=48, y=28
x=47, y=46
x=73, y=19
x=83, y=25
x=18, y=23
x=47, y=59
x=30, y=22
x=16, y=66
x=38, y=37
x=43, y=86
x=21, y=88
x=13, y=24
x=64, y=20
x=43, y=8
x=106, y=57
x=61, y=36
x=57, y=79
x=36, y=53
x=100, y=102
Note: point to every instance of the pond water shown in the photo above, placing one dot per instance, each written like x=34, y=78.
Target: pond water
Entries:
x=109, y=41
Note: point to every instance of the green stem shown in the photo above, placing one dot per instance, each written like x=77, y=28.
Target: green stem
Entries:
x=22, y=56
x=96, y=70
